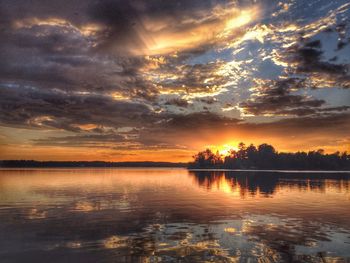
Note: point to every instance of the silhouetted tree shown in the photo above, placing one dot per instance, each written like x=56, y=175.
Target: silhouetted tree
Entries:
x=207, y=159
x=252, y=155
x=266, y=157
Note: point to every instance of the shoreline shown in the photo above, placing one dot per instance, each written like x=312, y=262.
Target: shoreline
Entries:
x=269, y=170
x=174, y=168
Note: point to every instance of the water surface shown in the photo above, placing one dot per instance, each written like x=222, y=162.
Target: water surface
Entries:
x=173, y=215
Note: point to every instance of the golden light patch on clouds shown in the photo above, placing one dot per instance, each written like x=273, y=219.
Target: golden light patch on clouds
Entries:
x=220, y=24
x=319, y=25
x=153, y=62
x=230, y=230
x=90, y=29
x=188, y=92
x=263, y=32
x=323, y=80
x=185, y=81
x=243, y=112
x=284, y=7
x=39, y=121
x=212, y=93
x=234, y=71
x=229, y=108
x=244, y=17
x=120, y=96
x=30, y=22
x=86, y=30
x=86, y=127
x=173, y=41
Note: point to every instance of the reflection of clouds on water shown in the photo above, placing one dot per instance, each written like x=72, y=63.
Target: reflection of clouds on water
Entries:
x=255, y=238
x=74, y=244
x=298, y=240
x=163, y=216
x=114, y=242
x=34, y=213
x=100, y=204
x=84, y=206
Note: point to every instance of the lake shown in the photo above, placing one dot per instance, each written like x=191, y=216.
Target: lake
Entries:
x=173, y=215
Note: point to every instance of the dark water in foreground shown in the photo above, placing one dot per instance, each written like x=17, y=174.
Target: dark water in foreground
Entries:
x=173, y=215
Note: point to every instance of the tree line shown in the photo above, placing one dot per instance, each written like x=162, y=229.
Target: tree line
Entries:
x=265, y=156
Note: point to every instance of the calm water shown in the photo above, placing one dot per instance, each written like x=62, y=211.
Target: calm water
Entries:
x=173, y=215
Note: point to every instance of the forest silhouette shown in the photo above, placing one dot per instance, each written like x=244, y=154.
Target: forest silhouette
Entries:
x=265, y=156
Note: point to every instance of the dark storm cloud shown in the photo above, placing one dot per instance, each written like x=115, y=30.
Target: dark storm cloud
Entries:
x=23, y=106
x=50, y=46
x=121, y=19
x=61, y=58
x=74, y=11
x=45, y=59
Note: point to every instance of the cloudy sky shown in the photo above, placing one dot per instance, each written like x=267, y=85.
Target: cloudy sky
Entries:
x=128, y=80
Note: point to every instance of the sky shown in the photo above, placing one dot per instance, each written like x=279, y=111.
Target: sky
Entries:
x=157, y=80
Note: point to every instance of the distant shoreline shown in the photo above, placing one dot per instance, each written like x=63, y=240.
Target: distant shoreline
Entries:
x=87, y=164
x=31, y=164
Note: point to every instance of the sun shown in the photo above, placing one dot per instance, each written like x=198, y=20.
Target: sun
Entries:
x=226, y=148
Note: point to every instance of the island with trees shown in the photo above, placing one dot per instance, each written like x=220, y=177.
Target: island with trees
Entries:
x=265, y=157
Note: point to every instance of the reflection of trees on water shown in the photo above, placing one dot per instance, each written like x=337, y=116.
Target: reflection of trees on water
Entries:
x=266, y=183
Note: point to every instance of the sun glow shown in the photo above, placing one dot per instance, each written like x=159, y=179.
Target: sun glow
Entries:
x=244, y=18
x=226, y=148
x=223, y=149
